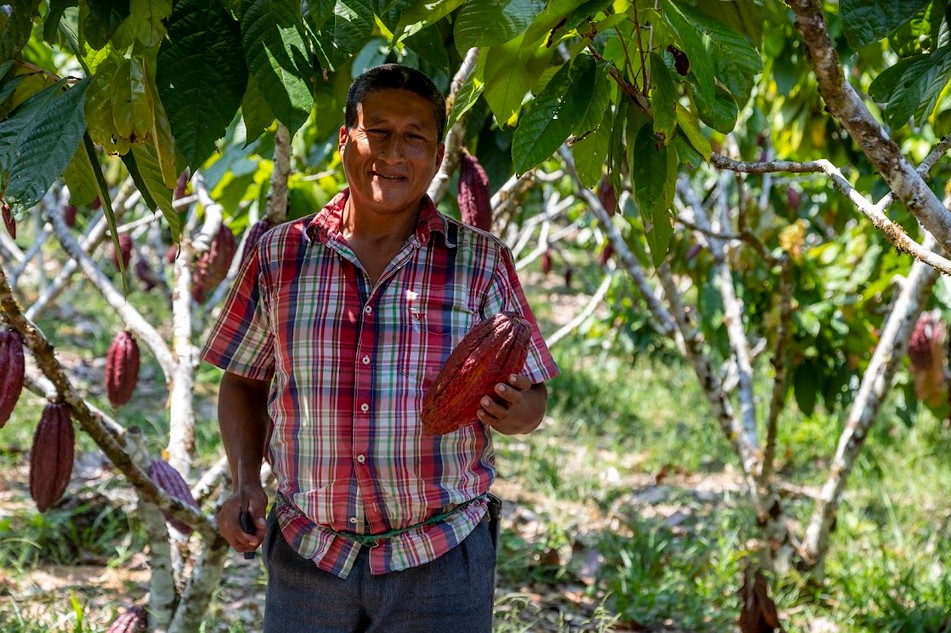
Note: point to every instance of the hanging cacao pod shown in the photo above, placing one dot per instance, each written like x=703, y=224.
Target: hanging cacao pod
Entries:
x=473, y=194
x=12, y=368
x=606, y=253
x=213, y=265
x=607, y=196
x=920, y=342
x=146, y=275
x=488, y=354
x=69, y=215
x=134, y=620
x=172, y=482
x=681, y=61
x=182, y=185
x=258, y=229
x=8, y=220
x=51, y=458
x=122, y=368
x=546, y=261
x=124, y=253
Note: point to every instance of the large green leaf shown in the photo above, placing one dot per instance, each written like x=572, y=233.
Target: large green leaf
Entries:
x=591, y=151
x=694, y=43
x=688, y=124
x=428, y=44
x=16, y=129
x=664, y=98
x=160, y=129
x=344, y=33
x=419, y=15
x=201, y=76
x=506, y=80
x=720, y=113
x=271, y=31
x=47, y=147
x=867, y=21
x=51, y=23
x=735, y=61
x=150, y=180
x=922, y=32
x=911, y=88
x=467, y=96
x=80, y=179
x=117, y=109
x=148, y=20
x=15, y=28
x=548, y=20
x=554, y=114
x=654, y=173
x=257, y=114
x=99, y=20
x=598, y=100
x=740, y=15
x=508, y=19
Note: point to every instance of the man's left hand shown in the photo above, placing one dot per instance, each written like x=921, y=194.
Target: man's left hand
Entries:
x=518, y=407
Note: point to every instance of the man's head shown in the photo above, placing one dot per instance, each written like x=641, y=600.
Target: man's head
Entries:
x=399, y=77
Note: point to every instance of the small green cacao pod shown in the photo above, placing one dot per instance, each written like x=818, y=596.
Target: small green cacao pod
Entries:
x=487, y=355
x=122, y=368
x=134, y=620
x=473, y=195
x=12, y=369
x=171, y=481
x=51, y=458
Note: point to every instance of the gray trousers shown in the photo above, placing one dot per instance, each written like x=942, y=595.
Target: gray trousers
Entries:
x=452, y=594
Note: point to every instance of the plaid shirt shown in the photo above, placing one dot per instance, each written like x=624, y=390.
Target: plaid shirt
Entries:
x=349, y=363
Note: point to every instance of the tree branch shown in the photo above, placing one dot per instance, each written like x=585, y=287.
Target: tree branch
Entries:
x=455, y=136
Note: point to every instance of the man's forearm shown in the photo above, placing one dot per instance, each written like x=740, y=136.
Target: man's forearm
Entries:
x=243, y=420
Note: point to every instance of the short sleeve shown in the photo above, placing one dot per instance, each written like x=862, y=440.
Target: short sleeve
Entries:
x=241, y=341
x=505, y=294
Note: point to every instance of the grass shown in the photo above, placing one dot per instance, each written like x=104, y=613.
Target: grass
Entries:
x=622, y=509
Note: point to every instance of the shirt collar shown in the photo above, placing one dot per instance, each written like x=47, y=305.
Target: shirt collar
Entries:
x=325, y=226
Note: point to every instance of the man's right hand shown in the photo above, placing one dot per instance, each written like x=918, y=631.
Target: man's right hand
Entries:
x=228, y=516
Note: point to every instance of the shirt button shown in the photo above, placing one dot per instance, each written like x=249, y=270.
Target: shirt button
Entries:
x=364, y=407
x=361, y=458
x=367, y=310
x=353, y=520
x=366, y=360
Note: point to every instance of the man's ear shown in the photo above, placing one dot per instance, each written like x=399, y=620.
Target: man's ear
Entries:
x=342, y=138
x=439, y=155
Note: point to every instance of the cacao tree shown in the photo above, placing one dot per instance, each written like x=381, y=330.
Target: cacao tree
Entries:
x=746, y=169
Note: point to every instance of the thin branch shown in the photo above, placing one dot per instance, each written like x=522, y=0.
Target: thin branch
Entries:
x=780, y=362
x=582, y=316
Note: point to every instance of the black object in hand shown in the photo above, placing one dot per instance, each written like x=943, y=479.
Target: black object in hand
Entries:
x=248, y=526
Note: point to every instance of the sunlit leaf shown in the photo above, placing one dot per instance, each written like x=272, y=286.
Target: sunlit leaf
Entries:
x=508, y=19
x=867, y=21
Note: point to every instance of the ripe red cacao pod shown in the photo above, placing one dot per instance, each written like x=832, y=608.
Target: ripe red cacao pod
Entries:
x=12, y=368
x=607, y=196
x=134, y=620
x=124, y=253
x=487, y=355
x=258, y=229
x=69, y=215
x=181, y=185
x=51, y=458
x=171, y=254
x=606, y=253
x=473, y=194
x=920, y=342
x=146, y=275
x=213, y=265
x=8, y=220
x=546, y=262
x=122, y=368
x=172, y=482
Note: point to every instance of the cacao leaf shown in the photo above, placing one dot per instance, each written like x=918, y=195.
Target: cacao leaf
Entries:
x=743, y=17
x=690, y=126
x=428, y=44
x=596, y=102
x=719, y=113
x=922, y=32
x=48, y=147
x=53, y=17
x=468, y=94
x=653, y=172
x=506, y=79
x=317, y=12
x=345, y=33
x=161, y=131
x=148, y=17
x=80, y=179
x=201, y=78
x=99, y=20
x=419, y=15
x=15, y=129
x=551, y=16
x=151, y=181
x=590, y=152
x=867, y=21
x=257, y=114
x=271, y=32
x=663, y=98
x=735, y=61
x=911, y=88
x=508, y=19
x=15, y=28
x=691, y=40
x=104, y=198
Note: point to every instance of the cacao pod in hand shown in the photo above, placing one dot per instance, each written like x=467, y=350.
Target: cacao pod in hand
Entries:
x=124, y=253
x=134, y=620
x=254, y=236
x=122, y=368
x=473, y=195
x=488, y=354
x=214, y=263
x=12, y=368
x=8, y=220
x=51, y=458
x=171, y=481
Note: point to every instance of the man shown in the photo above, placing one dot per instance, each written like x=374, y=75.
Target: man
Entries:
x=329, y=339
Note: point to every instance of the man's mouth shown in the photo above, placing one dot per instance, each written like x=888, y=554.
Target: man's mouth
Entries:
x=388, y=177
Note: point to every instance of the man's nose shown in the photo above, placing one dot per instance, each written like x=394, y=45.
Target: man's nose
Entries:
x=391, y=149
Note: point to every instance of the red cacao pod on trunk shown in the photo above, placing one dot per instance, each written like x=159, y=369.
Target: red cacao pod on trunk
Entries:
x=12, y=367
x=473, y=194
x=69, y=215
x=214, y=263
x=488, y=354
x=124, y=253
x=254, y=236
x=134, y=620
x=8, y=220
x=172, y=482
x=51, y=459
x=607, y=195
x=122, y=368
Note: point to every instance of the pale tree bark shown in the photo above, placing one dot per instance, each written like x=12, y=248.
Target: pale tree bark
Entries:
x=455, y=136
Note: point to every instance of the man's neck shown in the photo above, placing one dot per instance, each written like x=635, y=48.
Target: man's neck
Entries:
x=371, y=227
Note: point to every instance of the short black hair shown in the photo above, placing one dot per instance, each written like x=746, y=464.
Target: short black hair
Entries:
x=400, y=77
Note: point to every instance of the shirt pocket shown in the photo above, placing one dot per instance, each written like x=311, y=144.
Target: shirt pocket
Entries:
x=434, y=331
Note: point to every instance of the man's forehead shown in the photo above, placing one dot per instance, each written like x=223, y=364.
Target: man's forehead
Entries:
x=378, y=106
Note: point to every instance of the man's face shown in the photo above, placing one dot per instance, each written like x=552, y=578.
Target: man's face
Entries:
x=392, y=153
